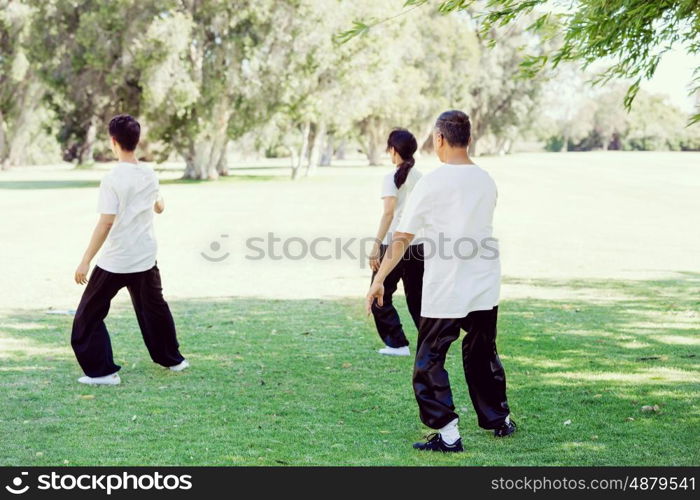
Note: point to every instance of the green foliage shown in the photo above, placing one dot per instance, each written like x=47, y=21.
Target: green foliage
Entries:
x=554, y=143
x=265, y=392
x=206, y=76
x=629, y=36
x=24, y=119
x=600, y=121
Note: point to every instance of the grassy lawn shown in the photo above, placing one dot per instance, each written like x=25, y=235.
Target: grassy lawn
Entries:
x=284, y=382
x=600, y=316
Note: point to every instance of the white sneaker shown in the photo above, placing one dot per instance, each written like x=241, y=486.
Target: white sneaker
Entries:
x=180, y=366
x=112, y=379
x=395, y=351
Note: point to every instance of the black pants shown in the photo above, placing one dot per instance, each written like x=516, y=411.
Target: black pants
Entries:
x=386, y=318
x=90, y=339
x=483, y=370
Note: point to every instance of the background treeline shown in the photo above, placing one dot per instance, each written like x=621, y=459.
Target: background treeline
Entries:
x=210, y=77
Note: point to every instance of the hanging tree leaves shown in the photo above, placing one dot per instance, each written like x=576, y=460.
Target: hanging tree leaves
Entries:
x=629, y=36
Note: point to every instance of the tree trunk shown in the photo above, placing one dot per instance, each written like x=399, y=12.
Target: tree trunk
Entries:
x=473, y=151
x=508, y=146
x=199, y=164
x=205, y=161
x=87, y=148
x=478, y=132
x=293, y=160
x=204, y=158
x=427, y=146
x=303, y=150
x=3, y=144
x=18, y=137
x=327, y=154
x=503, y=146
x=374, y=140
x=340, y=152
x=315, y=153
x=222, y=166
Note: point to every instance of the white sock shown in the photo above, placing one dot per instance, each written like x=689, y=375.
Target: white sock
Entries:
x=507, y=420
x=450, y=433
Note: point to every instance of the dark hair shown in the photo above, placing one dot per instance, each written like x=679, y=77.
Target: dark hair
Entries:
x=404, y=143
x=455, y=127
x=126, y=130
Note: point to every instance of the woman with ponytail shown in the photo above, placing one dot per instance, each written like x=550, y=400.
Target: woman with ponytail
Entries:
x=396, y=187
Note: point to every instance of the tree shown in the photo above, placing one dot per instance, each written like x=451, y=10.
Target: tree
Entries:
x=84, y=52
x=502, y=102
x=215, y=75
x=20, y=90
x=448, y=62
x=654, y=124
x=629, y=35
x=357, y=90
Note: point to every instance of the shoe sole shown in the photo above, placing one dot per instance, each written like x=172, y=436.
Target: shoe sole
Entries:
x=395, y=355
x=99, y=383
x=172, y=369
x=507, y=435
x=438, y=451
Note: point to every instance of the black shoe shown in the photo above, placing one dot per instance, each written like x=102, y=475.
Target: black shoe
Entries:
x=435, y=443
x=505, y=430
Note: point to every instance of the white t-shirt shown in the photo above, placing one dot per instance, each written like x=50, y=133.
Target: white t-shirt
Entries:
x=454, y=206
x=129, y=190
x=401, y=194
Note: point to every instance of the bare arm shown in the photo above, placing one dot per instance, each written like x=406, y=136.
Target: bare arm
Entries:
x=384, y=224
x=393, y=256
x=99, y=235
x=159, y=206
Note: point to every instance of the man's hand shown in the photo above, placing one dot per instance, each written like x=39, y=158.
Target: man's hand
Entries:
x=159, y=205
x=376, y=291
x=99, y=235
x=391, y=258
x=81, y=273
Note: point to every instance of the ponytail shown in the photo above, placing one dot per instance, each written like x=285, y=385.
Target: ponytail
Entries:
x=404, y=143
x=402, y=171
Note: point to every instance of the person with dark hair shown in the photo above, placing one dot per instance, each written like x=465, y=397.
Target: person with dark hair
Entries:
x=453, y=206
x=127, y=200
x=396, y=187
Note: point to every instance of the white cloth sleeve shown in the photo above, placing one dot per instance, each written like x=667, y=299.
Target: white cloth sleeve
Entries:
x=389, y=187
x=415, y=215
x=107, y=202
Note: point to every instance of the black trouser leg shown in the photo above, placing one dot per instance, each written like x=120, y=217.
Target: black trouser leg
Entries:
x=483, y=369
x=413, y=281
x=154, y=317
x=89, y=338
x=386, y=317
x=431, y=382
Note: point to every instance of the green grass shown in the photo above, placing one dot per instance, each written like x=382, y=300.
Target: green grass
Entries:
x=79, y=183
x=278, y=382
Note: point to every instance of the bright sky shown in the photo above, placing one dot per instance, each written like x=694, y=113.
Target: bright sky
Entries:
x=673, y=77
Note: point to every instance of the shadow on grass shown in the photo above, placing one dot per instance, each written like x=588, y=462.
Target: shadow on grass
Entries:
x=229, y=178
x=73, y=184
x=271, y=380
x=48, y=184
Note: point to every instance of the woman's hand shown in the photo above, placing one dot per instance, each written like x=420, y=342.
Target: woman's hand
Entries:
x=374, y=258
